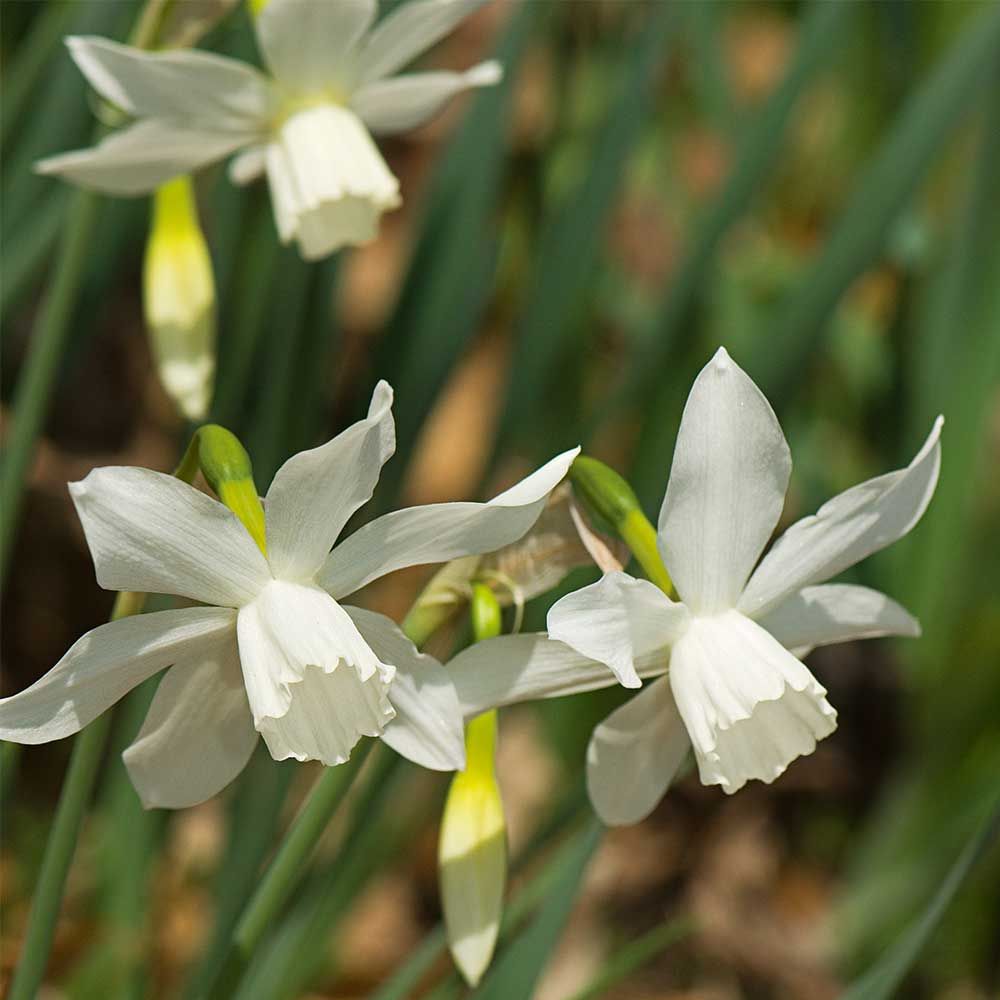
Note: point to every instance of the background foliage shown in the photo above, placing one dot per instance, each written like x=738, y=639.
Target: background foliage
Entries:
x=812, y=185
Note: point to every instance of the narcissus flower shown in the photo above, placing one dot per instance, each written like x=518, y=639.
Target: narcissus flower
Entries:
x=274, y=653
x=306, y=125
x=736, y=690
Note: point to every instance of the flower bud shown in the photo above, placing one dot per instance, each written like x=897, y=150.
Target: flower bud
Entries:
x=226, y=466
x=472, y=850
x=179, y=299
x=611, y=498
x=472, y=853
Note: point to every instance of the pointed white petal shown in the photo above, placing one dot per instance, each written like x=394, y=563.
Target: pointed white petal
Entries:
x=516, y=668
x=329, y=183
x=616, y=620
x=836, y=612
x=634, y=755
x=404, y=102
x=198, y=734
x=152, y=533
x=727, y=487
x=184, y=84
x=315, y=492
x=428, y=727
x=309, y=44
x=138, y=159
x=407, y=32
x=248, y=165
x=104, y=665
x=846, y=529
x=439, y=532
x=749, y=706
x=315, y=686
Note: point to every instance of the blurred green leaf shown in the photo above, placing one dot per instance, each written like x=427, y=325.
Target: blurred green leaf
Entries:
x=570, y=243
x=880, y=195
x=824, y=27
x=633, y=956
x=30, y=64
x=883, y=980
x=295, y=953
x=453, y=264
x=519, y=966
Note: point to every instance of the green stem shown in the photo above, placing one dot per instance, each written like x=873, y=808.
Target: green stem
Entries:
x=77, y=788
x=47, y=347
x=288, y=865
x=290, y=862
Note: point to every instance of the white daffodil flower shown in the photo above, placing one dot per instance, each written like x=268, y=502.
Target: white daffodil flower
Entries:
x=736, y=691
x=275, y=653
x=306, y=125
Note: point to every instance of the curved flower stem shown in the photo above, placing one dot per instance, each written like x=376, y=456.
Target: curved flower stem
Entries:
x=285, y=870
x=77, y=787
x=47, y=347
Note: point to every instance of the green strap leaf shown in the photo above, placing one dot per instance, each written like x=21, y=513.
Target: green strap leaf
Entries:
x=882, y=193
x=519, y=967
x=883, y=979
x=568, y=249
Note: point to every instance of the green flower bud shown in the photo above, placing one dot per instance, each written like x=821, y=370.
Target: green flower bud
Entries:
x=606, y=493
x=611, y=498
x=226, y=466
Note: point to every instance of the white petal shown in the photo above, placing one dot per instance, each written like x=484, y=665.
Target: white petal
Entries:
x=404, y=102
x=727, y=487
x=428, y=727
x=184, y=84
x=634, y=755
x=515, y=668
x=749, y=706
x=308, y=44
x=104, y=665
x=248, y=165
x=198, y=734
x=439, y=532
x=152, y=533
x=315, y=492
x=836, y=612
x=315, y=686
x=407, y=32
x=616, y=620
x=329, y=183
x=846, y=529
x=138, y=159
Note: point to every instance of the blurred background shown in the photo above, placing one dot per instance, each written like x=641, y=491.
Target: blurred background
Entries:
x=812, y=185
